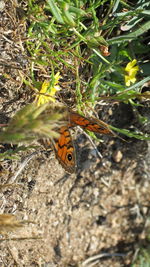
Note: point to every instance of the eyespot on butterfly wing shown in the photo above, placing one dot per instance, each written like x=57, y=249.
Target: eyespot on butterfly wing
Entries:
x=64, y=150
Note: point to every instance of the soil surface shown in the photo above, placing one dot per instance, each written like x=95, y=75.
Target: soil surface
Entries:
x=99, y=215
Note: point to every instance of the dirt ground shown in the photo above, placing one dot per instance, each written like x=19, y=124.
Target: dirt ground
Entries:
x=102, y=210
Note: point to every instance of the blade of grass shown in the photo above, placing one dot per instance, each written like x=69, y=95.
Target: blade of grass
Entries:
x=55, y=11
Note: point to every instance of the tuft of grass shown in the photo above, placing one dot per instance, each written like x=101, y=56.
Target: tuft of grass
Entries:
x=32, y=123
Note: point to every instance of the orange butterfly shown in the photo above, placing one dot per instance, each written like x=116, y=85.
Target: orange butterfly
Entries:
x=63, y=146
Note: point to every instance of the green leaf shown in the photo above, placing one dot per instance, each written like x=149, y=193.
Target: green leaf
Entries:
x=55, y=11
x=131, y=134
x=133, y=35
x=67, y=15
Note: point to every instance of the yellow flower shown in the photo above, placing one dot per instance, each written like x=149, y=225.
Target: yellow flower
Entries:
x=131, y=71
x=48, y=90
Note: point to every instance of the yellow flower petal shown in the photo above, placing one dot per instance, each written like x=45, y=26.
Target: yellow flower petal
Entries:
x=52, y=99
x=48, y=90
x=130, y=65
x=127, y=80
x=131, y=71
x=57, y=77
x=44, y=87
x=133, y=80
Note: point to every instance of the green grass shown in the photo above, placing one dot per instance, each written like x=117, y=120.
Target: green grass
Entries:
x=67, y=36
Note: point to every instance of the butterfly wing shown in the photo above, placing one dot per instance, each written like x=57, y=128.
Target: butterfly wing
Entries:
x=90, y=124
x=64, y=150
x=63, y=146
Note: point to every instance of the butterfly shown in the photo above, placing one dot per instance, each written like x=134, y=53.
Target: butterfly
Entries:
x=63, y=146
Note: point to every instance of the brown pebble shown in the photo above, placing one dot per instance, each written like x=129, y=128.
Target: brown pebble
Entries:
x=117, y=156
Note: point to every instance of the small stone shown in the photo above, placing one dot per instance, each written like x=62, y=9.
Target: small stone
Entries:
x=110, y=112
x=117, y=156
x=2, y=6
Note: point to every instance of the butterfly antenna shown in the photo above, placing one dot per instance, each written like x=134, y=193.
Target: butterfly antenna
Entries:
x=116, y=135
x=22, y=166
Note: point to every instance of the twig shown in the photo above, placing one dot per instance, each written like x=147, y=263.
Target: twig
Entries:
x=105, y=182
x=89, y=262
x=91, y=141
x=10, y=66
x=21, y=167
x=20, y=238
